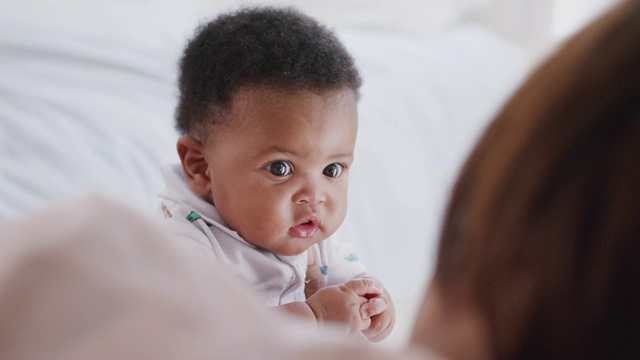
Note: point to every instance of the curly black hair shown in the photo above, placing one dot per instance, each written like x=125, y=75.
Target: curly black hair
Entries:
x=257, y=46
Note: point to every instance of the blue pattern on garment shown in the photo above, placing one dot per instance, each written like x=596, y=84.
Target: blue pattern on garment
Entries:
x=193, y=216
x=324, y=270
x=352, y=257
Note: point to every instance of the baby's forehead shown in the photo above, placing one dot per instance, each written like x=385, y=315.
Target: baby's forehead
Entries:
x=253, y=104
x=277, y=97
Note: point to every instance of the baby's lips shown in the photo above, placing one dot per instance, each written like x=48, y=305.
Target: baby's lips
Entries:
x=310, y=220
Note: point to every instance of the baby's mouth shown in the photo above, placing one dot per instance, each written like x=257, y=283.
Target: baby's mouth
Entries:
x=305, y=227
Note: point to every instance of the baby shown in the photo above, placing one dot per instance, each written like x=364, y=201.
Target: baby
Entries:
x=268, y=117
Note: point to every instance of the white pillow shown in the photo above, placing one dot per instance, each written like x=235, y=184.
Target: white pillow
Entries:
x=88, y=92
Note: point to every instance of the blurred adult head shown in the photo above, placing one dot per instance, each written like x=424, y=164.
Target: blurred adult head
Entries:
x=540, y=245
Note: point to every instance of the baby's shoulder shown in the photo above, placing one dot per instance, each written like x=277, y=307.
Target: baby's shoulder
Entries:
x=178, y=223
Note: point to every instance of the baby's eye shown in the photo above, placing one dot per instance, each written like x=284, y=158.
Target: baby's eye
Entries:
x=279, y=168
x=333, y=170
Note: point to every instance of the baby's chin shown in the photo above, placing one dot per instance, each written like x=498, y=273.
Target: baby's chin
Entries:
x=289, y=251
x=294, y=247
x=288, y=245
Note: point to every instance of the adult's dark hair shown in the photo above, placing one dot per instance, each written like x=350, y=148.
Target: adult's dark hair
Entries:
x=280, y=48
x=542, y=232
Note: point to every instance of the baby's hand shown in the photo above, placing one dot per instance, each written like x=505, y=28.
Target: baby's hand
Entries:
x=343, y=303
x=380, y=309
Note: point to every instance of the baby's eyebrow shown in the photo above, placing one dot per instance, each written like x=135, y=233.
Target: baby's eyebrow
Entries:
x=344, y=156
x=278, y=149
x=281, y=150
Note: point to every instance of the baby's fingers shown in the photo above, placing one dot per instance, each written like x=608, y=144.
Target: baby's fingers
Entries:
x=364, y=286
x=373, y=306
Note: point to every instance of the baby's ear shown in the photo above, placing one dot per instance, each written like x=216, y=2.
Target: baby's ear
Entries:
x=194, y=164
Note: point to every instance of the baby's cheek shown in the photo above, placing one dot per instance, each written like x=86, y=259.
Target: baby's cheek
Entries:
x=340, y=208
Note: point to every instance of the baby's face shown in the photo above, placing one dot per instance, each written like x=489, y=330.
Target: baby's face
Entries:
x=279, y=166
